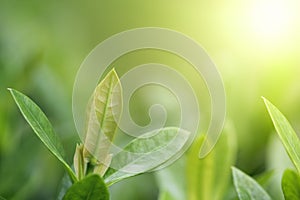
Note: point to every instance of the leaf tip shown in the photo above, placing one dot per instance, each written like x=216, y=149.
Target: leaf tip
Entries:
x=233, y=169
x=10, y=90
x=235, y=172
x=266, y=101
x=114, y=72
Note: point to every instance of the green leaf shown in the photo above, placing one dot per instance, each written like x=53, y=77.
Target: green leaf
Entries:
x=291, y=185
x=91, y=187
x=103, y=113
x=208, y=178
x=63, y=186
x=165, y=196
x=42, y=127
x=286, y=133
x=146, y=153
x=265, y=178
x=172, y=180
x=79, y=162
x=247, y=188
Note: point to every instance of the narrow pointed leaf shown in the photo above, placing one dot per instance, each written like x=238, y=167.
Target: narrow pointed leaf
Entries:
x=79, y=162
x=286, y=134
x=103, y=113
x=42, y=127
x=208, y=177
x=146, y=153
x=91, y=187
x=291, y=185
x=247, y=188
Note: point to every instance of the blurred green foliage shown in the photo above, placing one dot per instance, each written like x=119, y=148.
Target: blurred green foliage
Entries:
x=42, y=44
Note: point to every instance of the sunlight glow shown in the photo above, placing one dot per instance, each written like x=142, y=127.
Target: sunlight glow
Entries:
x=272, y=19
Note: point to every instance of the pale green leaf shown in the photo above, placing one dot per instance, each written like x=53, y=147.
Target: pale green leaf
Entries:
x=146, y=153
x=42, y=127
x=79, y=162
x=247, y=188
x=91, y=187
x=103, y=113
x=286, y=133
x=172, y=180
x=102, y=168
x=291, y=185
x=113, y=176
x=208, y=177
x=63, y=186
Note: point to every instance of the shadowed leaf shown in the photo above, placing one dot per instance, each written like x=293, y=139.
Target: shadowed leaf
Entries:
x=42, y=127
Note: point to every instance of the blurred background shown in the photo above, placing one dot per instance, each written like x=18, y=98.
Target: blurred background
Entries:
x=254, y=43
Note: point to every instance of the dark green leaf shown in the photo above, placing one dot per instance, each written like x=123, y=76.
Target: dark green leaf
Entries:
x=286, y=133
x=42, y=127
x=91, y=187
x=247, y=188
x=291, y=185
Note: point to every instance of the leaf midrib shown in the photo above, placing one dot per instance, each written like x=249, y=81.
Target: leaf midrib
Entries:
x=104, y=111
x=23, y=107
x=107, y=102
x=38, y=124
x=280, y=127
